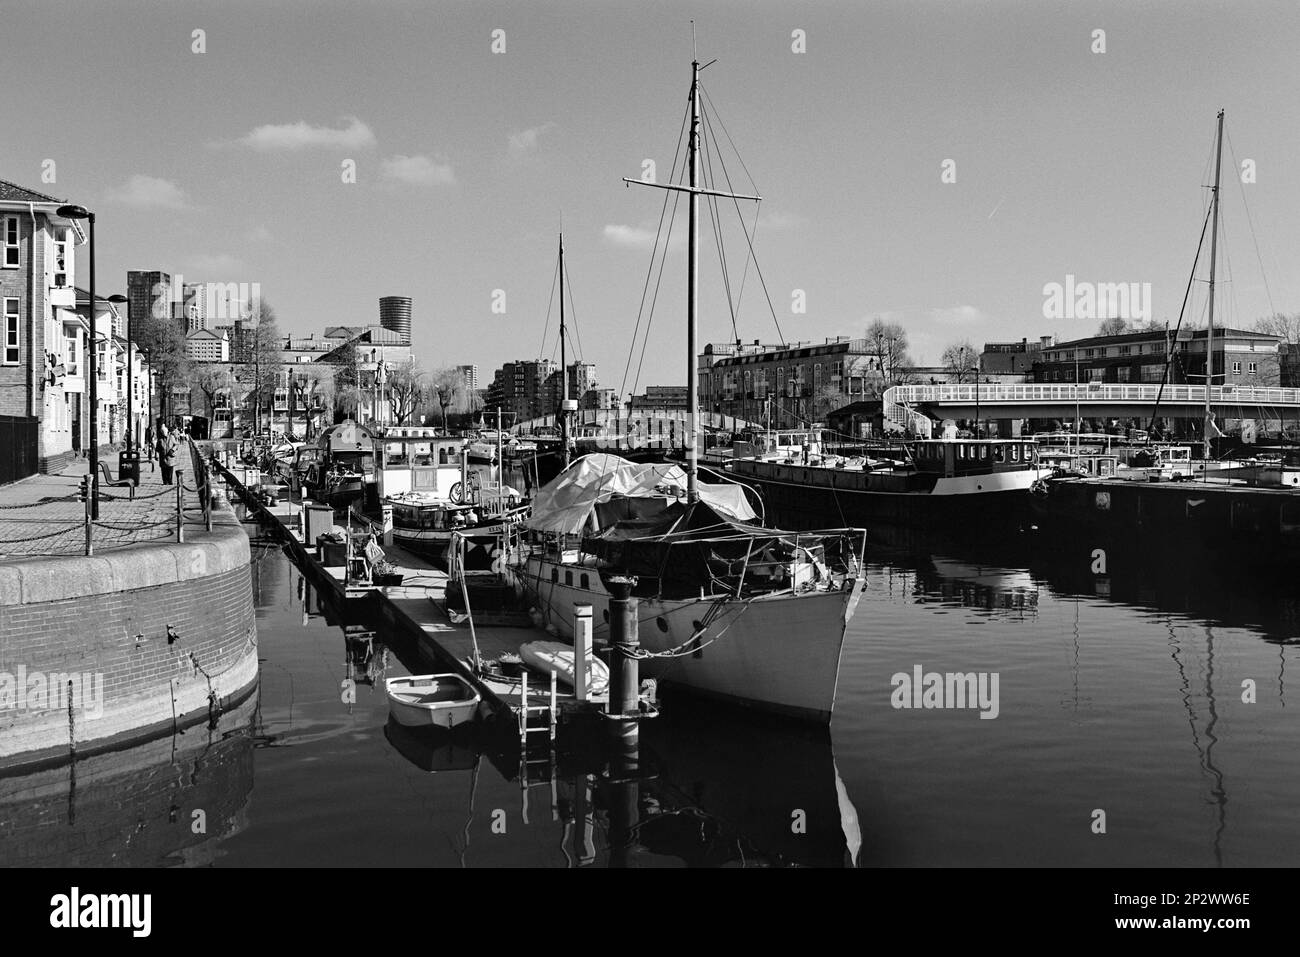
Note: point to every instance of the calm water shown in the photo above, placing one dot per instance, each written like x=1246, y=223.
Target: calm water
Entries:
x=1121, y=693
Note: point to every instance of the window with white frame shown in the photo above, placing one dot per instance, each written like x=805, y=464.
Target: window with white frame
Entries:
x=12, y=352
x=9, y=234
x=1252, y=368
x=61, y=259
x=1236, y=368
x=70, y=362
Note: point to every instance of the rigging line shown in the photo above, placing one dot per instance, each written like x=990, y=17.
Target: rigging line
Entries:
x=573, y=312
x=650, y=270
x=730, y=188
x=1169, y=355
x=749, y=240
x=655, y=298
x=716, y=220
x=541, y=348
x=1251, y=223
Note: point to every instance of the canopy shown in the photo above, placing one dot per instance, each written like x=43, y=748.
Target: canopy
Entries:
x=566, y=502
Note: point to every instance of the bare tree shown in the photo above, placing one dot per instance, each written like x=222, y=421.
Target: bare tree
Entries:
x=445, y=385
x=211, y=378
x=887, y=345
x=1282, y=325
x=1114, y=326
x=960, y=359
x=405, y=385
x=264, y=356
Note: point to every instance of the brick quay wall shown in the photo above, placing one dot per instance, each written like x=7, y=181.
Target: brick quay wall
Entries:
x=154, y=637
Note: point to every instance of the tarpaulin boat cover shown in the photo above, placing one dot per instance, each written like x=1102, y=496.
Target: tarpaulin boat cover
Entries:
x=565, y=503
x=686, y=546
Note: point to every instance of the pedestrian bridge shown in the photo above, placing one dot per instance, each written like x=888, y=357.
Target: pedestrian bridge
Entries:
x=652, y=424
x=906, y=406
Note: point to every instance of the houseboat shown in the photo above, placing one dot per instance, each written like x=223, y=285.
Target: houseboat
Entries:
x=340, y=469
x=436, y=491
x=951, y=488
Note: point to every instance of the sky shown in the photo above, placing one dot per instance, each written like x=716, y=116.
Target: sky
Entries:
x=226, y=163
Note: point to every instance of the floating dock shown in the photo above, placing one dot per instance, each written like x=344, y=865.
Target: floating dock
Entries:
x=416, y=608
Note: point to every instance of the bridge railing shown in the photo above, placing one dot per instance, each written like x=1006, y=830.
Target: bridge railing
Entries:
x=1086, y=392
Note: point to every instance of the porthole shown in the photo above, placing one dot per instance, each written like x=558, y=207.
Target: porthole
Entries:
x=663, y=625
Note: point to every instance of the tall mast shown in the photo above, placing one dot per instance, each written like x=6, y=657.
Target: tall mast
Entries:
x=692, y=293
x=694, y=191
x=1214, y=248
x=564, y=371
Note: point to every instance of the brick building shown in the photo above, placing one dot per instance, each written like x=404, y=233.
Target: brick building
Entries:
x=41, y=334
x=1241, y=357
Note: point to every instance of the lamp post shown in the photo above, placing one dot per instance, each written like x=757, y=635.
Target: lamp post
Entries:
x=80, y=212
x=976, y=369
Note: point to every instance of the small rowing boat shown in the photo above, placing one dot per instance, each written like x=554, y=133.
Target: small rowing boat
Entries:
x=439, y=701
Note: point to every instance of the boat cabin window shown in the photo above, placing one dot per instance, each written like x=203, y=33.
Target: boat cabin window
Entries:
x=1015, y=453
x=999, y=453
x=984, y=452
x=568, y=578
x=555, y=576
x=584, y=581
x=442, y=455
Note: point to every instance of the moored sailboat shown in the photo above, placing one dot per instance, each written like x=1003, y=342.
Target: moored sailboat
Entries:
x=728, y=609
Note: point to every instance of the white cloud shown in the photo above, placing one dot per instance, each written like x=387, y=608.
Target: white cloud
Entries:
x=957, y=315
x=275, y=137
x=636, y=237
x=526, y=141
x=417, y=171
x=150, y=192
x=779, y=220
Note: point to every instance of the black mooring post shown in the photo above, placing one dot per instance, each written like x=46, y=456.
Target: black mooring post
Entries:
x=624, y=720
x=624, y=643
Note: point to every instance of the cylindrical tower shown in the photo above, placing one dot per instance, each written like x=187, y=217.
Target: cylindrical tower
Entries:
x=395, y=316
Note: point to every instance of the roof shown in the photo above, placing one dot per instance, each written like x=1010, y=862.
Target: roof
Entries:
x=1159, y=334
x=13, y=193
x=205, y=334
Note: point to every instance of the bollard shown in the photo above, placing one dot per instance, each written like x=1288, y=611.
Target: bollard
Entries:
x=90, y=531
x=624, y=642
x=388, y=525
x=581, y=649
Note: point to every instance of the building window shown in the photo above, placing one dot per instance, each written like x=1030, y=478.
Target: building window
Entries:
x=1123, y=373
x=1236, y=368
x=1252, y=369
x=11, y=350
x=1125, y=350
x=9, y=226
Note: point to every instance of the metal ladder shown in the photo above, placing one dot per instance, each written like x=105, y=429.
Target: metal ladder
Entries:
x=545, y=764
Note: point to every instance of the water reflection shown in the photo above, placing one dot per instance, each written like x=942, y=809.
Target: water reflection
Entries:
x=168, y=802
x=706, y=787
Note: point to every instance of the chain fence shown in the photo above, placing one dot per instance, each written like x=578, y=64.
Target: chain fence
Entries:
x=60, y=525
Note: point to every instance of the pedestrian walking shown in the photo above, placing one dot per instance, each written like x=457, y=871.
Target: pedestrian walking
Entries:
x=148, y=441
x=167, y=455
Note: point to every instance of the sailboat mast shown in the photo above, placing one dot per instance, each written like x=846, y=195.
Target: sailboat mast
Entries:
x=564, y=371
x=1214, y=248
x=692, y=293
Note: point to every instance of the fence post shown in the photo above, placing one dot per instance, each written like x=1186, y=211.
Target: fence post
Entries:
x=85, y=497
x=180, y=505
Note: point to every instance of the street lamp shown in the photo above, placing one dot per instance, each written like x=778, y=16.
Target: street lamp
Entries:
x=976, y=369
x=80, y=212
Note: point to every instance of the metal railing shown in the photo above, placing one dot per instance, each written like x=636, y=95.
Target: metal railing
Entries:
x=1091, y=392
